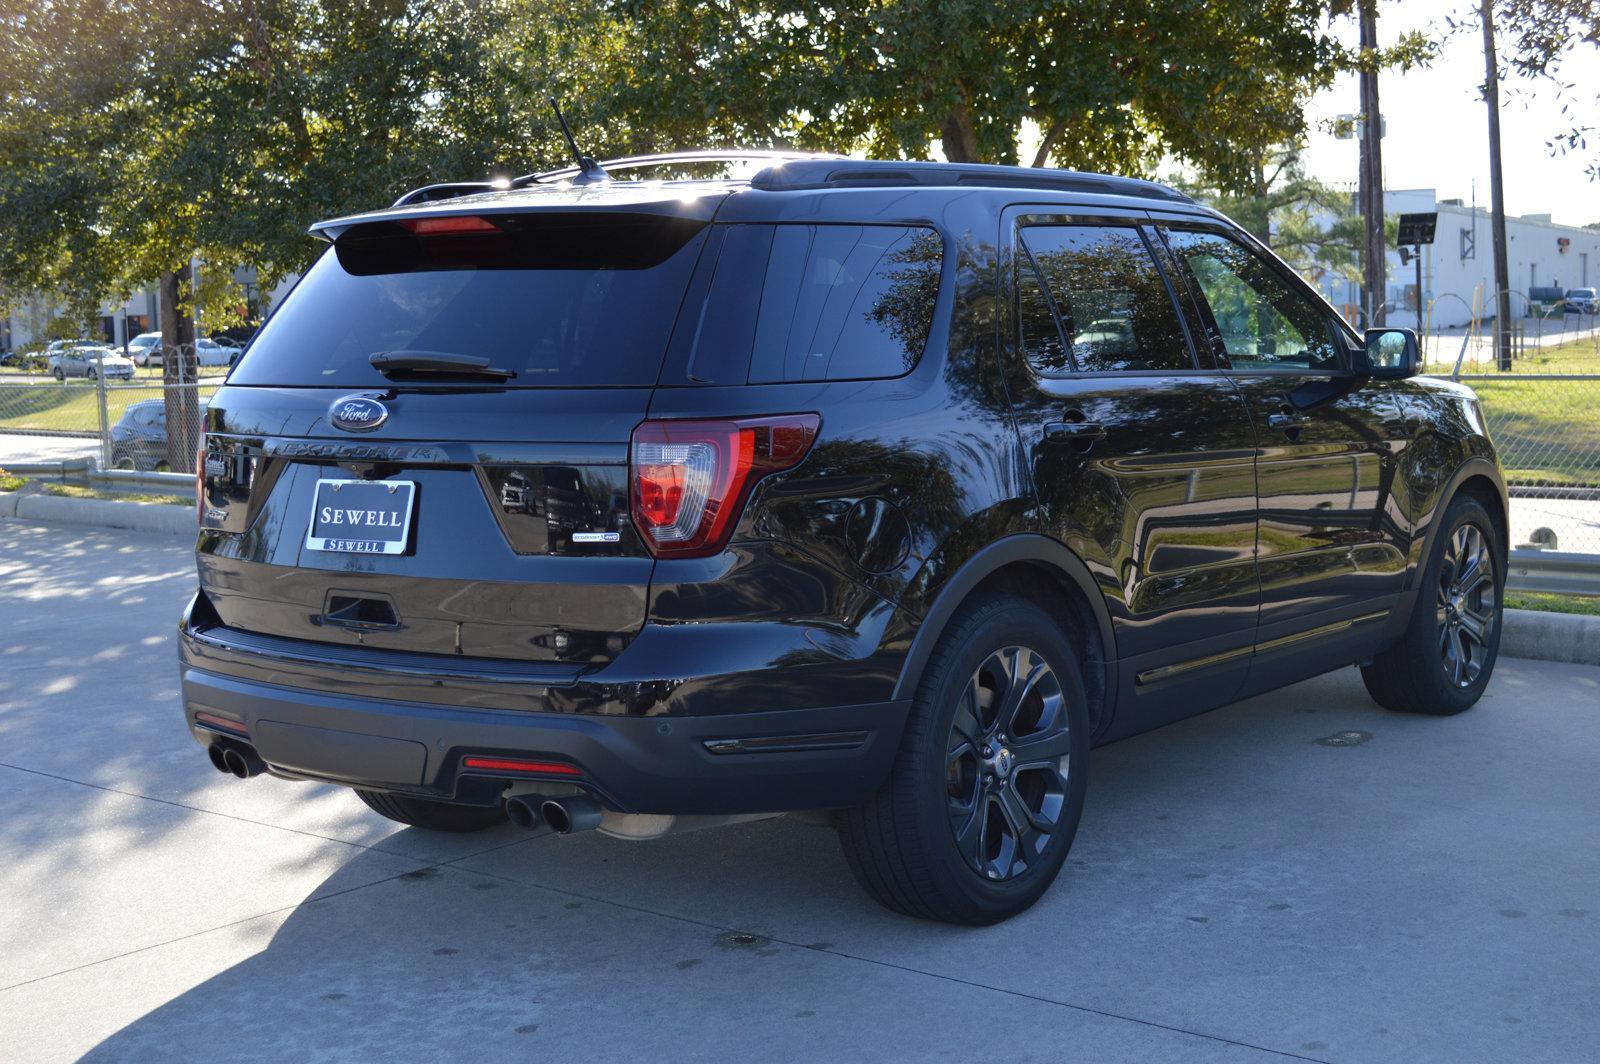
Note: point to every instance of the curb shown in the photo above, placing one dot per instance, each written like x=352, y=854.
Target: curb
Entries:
x=1544, y=636
x=158, y=517
x=1530, y=634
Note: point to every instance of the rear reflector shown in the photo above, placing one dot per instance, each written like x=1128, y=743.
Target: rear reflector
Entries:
x=543, y=768
x=211, y=720
x=690, y=479
x=461, y=223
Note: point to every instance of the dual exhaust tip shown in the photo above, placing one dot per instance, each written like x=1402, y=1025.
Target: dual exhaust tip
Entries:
x=531, y=812
x=564, y=816
x=236, y=759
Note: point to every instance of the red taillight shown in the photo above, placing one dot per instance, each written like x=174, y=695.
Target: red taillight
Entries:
x=690, y=478
x=456, y=223
x=543, y=768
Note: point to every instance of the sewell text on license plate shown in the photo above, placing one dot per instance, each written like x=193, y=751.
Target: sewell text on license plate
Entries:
x=361, y=516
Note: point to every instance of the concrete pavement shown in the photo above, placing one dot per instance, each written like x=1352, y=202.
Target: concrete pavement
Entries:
x=1239, y=891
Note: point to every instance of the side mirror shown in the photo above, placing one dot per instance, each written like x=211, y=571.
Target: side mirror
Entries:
x=1390, y=354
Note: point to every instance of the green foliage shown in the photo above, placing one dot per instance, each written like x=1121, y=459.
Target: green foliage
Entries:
x=1112, y=85
x=1310, y=224
x=1541, y=39
x=142, y=132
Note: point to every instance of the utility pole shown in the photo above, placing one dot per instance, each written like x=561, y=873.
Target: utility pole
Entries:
x=1374, y=260
x=1497, y=195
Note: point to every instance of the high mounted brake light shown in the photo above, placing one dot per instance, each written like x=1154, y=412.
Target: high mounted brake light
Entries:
x=690, y=479
x=455, y=223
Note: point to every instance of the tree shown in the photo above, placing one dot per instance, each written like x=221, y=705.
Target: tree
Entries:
x=1110, y=86
x=1310, y=224
x=223, y=128
x=1542, y=37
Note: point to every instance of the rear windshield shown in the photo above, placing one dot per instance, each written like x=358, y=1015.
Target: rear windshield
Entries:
x=561, y=300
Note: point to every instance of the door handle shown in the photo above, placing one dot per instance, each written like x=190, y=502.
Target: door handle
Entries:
x=1288, y=418
x=1074, y=431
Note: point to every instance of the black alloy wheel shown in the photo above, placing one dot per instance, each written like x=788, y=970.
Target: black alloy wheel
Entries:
x=1466, y=611
x=978, y=813
x=1008, y=763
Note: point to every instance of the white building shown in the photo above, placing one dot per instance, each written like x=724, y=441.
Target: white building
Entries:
x=117, y=323
x=1458, y=268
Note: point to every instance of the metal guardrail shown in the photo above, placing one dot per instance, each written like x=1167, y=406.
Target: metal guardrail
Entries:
x=1555, y=572
x=86, y=474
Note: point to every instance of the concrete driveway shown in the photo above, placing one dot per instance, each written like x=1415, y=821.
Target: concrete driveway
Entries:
x=1238, y=892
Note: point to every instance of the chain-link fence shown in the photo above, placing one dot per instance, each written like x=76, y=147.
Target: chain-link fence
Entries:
x=1546, y=428
x=115, y=425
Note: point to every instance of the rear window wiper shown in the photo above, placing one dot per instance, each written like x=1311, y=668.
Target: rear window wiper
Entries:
x=446, y=363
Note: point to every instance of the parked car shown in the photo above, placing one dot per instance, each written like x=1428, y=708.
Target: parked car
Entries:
x=92, y=362
x=885, y=489
x=1582, y=301
x=139, y=438
x=145, y=349
x=210, y=353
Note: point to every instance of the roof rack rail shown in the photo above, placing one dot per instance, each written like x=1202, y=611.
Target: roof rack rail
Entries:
x=446, y=190
x=772, y=157
x=871, y=173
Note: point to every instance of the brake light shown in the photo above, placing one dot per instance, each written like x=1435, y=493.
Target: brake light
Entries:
x=690, y=479
x=456, y=223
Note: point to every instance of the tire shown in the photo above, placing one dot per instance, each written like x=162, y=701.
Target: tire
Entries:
x=433, y=816
x=60, y=376
x=90, y=374
x=902, y=845
x=1443, y=662
x=122, y=460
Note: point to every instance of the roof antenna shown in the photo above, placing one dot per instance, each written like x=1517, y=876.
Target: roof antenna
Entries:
x=589, y=171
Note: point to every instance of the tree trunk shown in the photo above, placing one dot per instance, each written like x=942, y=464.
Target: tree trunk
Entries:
x=959, y=140
x=1497, y=197
x=179, y=392
x=1375, y=257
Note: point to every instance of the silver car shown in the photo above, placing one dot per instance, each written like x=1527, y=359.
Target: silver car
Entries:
x=92, y=362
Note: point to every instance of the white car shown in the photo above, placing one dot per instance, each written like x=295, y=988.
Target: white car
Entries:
x=58, y=348
x=92, y=362
x=211, y=353
x=145, y=349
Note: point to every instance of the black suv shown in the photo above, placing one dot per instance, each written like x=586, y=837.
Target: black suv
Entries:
x=878, y=489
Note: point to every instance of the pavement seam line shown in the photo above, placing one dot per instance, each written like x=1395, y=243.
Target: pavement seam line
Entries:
x=206, y=931
x=675, y=918
x=373, y=847
x=895, y=967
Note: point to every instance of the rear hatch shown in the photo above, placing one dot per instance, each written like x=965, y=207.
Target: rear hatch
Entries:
x=425, y=448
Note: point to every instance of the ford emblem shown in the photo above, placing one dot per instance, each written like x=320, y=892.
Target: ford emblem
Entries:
x=357, y=413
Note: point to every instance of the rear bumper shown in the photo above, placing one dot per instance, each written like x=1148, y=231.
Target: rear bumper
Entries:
x=757, y=762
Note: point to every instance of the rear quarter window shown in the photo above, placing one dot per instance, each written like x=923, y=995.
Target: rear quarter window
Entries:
x=789, y=303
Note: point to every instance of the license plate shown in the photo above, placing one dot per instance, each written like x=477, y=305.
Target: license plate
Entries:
x=361, y=516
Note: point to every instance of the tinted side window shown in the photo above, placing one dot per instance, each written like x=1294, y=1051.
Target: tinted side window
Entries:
x=1037, y=332
x=1115, y=311
x=1262, y=320
x=815, y=302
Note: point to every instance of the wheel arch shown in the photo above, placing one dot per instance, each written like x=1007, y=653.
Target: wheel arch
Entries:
x=1047, y=572
x=1480, y=479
